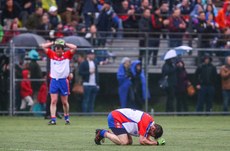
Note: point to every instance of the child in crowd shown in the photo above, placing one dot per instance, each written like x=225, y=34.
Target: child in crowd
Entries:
x=26, y=91
x=42, y=94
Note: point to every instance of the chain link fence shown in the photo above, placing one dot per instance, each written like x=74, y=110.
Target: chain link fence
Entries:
x=112, y=52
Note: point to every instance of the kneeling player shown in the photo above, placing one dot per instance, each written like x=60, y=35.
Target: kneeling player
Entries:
x=126, y=122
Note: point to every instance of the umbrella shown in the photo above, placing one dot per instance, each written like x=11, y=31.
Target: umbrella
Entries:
x=78, y=41
x=177, y=51
x=28, y=40
x=181, y=50
x=170, y=54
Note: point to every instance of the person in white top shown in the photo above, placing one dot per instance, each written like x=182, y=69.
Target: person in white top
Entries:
x=89, y=73
x=59, y=72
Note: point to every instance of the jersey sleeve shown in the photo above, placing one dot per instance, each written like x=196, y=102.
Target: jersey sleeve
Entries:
x=50, y=53
x=144, y=124
x=69, y=54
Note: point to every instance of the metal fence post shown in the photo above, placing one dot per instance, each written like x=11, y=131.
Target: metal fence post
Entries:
x=13, y=82
x=146, y=69
x=11, y=94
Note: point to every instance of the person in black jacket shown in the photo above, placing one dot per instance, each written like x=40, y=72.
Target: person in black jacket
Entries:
x=105, y=22
x=206, y=30
x=10, y=10
x=145, y=25
x=65, y=9
x=4, y=82
x=45, y=26
x=88, y=71
x=157, y=24
x=206, y=76
x=169, y=70
x=202, y=28
x=89, y=9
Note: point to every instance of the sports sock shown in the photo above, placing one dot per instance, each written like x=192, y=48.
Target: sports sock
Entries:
x=66, y=117
x=53, y=119
x=102, y=133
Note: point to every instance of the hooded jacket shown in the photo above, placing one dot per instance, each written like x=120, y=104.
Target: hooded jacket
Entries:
x=206, y=74
x=141, y=77
x=124, y=82
x=223, y=17
x=169, y=70
x=26, y=89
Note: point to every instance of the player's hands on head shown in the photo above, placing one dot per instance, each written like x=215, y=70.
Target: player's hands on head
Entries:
x=160, y=141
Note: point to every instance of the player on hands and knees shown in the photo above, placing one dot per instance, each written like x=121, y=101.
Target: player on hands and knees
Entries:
x=125, y=123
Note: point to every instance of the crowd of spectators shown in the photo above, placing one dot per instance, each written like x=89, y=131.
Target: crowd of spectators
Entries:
x=96, y=20
x=58, y=18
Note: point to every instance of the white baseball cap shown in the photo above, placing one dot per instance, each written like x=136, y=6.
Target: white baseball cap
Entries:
x=52, y=9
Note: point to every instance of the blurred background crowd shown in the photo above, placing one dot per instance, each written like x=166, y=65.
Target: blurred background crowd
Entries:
x=95, y=20
x=58, y=18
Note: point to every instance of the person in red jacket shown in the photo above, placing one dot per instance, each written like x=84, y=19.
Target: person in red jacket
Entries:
x=223, y=17
x=42, y=94
x=26, y=90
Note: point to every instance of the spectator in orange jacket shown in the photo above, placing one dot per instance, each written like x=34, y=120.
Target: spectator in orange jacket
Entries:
x=223, y=17
x=26, y=90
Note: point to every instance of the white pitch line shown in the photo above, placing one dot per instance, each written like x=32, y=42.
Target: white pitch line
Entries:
x=16, y=149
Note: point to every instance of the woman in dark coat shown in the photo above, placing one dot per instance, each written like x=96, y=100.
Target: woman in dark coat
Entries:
x=181, y=87
x=169, y=71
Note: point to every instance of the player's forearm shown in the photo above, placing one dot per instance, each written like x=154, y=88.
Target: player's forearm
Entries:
x=148, y=142
x=46, y=45
x=71, y=46
x=145, y=141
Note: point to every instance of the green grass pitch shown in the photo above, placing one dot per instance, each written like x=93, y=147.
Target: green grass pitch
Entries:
x=182, y=133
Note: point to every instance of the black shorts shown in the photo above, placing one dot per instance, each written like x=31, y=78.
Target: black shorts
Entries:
x=118, y=131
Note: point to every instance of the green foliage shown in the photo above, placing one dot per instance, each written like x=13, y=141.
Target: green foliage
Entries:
x=182, y=133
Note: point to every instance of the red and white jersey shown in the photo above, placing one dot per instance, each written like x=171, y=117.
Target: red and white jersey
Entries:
x=59, y=66
x=134, y=121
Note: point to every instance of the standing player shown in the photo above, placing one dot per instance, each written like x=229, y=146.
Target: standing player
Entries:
x=59, y=72
x=126, y=122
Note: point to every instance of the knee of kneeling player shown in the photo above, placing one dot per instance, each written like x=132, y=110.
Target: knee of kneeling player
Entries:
x=126, y=142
